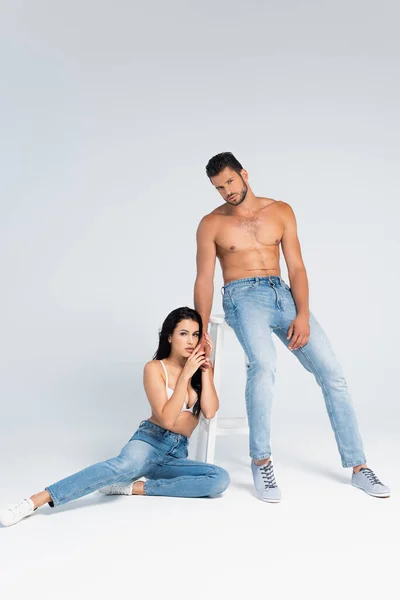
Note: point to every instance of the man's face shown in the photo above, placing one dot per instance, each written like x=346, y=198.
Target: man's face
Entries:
x=231, y=185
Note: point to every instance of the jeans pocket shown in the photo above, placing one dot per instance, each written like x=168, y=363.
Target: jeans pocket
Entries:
x=236, y=293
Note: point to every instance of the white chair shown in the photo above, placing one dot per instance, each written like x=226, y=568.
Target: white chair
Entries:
x=209, y=429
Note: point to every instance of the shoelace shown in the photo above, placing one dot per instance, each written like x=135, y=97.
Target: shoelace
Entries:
x=117, y=488
x=268, y=476
x=371, y=476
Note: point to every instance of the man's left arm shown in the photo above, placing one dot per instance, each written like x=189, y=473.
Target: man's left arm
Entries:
x=299, y=330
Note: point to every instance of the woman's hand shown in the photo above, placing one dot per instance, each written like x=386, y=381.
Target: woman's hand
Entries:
x=208, y=350
x=194, y=362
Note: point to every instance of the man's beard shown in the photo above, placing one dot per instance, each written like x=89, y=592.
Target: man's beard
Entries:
x=242, y=195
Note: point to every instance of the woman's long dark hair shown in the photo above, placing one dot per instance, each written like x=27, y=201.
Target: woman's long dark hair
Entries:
x=164, y=347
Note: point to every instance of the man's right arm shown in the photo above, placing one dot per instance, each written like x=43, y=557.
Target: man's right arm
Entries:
x=206, y=257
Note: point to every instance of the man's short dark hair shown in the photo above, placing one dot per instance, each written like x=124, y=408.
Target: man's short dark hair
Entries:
x=219, y=162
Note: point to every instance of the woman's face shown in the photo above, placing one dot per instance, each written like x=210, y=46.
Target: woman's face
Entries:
x=185, y=338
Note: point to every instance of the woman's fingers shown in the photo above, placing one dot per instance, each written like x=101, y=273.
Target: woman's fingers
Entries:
x=196, y=351
x=196, y=355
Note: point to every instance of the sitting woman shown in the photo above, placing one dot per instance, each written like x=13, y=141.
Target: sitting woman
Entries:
x=179, y=386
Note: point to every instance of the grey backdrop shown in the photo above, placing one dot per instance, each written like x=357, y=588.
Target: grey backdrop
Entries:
x=109, y=113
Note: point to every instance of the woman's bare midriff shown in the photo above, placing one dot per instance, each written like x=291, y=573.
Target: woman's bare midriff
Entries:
x=185, y=424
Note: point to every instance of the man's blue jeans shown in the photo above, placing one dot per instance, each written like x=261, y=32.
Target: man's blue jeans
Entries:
x=257, y=307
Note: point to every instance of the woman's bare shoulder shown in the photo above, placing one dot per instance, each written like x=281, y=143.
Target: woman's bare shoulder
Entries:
x=153, y=366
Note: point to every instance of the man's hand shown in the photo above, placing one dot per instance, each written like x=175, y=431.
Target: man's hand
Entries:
x=298, y=332
x=207, y=344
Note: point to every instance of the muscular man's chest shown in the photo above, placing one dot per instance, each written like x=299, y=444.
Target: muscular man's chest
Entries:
x=240, y=233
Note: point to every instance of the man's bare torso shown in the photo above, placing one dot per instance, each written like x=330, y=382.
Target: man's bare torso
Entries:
x=248, y=245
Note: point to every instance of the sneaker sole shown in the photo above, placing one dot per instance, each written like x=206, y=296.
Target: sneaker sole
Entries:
x=383, y=495
x=267, y=499
x=113, y=494
x=15, y=522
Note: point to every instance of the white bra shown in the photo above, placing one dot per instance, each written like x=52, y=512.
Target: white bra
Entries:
x=170, y=391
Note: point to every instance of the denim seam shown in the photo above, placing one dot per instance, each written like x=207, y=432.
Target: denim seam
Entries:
x=357, y=463
x=308, y=358
x=250, y=286
x=329, y=403
x=90, y=488
x=330, y=413
x=278, y=307
x=159, y=464
x=325, y=389
x=52, y=496
x=246, y=349
x=248, y=403
x=231, y=299
x=262, y=457
x=158, y=484
x=172, y=449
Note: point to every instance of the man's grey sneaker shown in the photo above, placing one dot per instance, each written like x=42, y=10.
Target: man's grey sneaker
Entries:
x=366, y=480
x=264, y=482
x=122, y=489
x=16, y=512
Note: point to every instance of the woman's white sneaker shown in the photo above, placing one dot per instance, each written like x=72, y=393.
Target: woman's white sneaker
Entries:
x=122, y=489
x=16, y=512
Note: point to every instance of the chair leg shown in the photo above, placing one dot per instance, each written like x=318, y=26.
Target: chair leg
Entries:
x=211, y=436
x=206, y=441
x=202, y=437
x=217, y=336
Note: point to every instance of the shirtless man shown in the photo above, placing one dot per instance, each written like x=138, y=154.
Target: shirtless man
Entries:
x=245, y=234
